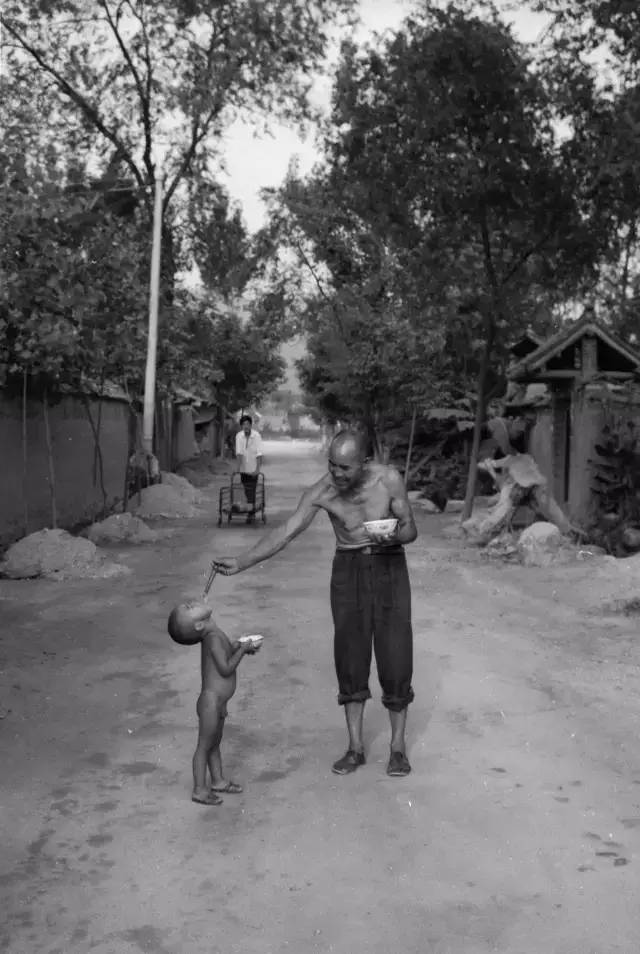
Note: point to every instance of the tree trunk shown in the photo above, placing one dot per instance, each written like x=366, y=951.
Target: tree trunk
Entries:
x=50, y=462
x=412, y=433
x=219, y=450
x=25, y=491
x=492, y=312
x=481, y=410
x=125, y=491
x=97, y=453
x=97, y=450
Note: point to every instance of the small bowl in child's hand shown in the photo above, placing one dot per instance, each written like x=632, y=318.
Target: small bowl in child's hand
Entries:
x=255, y=639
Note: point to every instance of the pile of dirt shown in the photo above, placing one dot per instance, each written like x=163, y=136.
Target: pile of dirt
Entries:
x=182, y=487
x=57, y=555
x=162, y=500
x=121, y=528
x=201, y=471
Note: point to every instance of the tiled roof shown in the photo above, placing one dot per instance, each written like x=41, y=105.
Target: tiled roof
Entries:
x=568, y=336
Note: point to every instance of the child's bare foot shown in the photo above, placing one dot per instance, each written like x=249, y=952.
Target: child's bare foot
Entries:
x=230, y=788
x=205, y=797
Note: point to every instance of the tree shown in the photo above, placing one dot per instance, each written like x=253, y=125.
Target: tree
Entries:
x=443, y=141
x=591, y=59
x=128, y=76
x=223, y=352
x=250, y=365
x=585, y=25
x=365, y=358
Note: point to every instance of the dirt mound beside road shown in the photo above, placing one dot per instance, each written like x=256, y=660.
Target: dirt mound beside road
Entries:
x=182, y=487
x=162, y=500
x=121, y=528
x=202, y=471
x=57, y=555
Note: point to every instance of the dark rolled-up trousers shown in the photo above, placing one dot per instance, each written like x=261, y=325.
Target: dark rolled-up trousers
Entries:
x=371, y=607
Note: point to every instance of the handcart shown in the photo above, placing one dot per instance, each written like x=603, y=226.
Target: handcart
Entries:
x=234, y=503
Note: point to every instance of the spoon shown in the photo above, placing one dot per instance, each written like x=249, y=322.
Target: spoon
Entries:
x=212, y=575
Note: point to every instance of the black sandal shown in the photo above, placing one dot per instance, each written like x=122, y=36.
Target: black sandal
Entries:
x=398, y=764
x=348, y=763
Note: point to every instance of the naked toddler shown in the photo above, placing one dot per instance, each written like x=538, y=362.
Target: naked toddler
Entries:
x=189, y=624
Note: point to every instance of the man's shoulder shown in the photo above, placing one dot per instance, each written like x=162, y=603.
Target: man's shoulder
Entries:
x=320, y=487
x=385, y=473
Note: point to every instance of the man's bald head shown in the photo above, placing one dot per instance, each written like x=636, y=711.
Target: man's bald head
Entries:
x=348, y=454
x=351, y=445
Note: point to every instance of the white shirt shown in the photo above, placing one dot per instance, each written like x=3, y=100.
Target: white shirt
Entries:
x=249, y=448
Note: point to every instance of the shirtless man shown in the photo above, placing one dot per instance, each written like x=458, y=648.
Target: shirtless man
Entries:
x=370, y=591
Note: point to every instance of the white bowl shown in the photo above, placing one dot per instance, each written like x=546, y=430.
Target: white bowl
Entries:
x=381, y=527
x=256, y=639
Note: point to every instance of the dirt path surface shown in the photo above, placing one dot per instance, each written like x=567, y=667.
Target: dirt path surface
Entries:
x=517, y=832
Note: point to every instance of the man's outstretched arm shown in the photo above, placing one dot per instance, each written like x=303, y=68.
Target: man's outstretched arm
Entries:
x=276, y=539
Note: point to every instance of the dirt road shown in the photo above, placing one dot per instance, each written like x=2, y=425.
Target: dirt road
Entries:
x=518, y=831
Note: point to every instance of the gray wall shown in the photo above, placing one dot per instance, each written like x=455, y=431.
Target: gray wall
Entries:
x=78, y=496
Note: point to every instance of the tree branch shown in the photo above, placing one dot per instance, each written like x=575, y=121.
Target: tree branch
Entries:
x=197, y=134
x=76, y=97
x=517, y=265
x=142, y=93
x=329, y=301
x=489, y=266
x=200, y=127
x=140, y=17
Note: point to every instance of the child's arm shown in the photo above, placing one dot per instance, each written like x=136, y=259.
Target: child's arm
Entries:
x=227, y=664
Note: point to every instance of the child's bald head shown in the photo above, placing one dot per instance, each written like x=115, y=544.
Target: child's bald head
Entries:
x=187, y=622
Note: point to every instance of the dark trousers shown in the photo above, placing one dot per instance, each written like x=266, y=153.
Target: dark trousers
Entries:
x=249, y=483
x=371, y=606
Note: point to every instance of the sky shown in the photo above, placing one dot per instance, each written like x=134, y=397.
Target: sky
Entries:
x=254, y=163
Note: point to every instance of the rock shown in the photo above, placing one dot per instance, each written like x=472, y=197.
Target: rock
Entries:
x=631, y=538
x=591, y=553
x=121, y=528
x=57, y=555
x=455, y=506
x=427, y=505
x=539, y=544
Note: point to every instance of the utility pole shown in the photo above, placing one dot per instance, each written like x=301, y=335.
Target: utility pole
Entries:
x=154, y=297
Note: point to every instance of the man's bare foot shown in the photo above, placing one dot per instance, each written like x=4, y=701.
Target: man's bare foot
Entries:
x=231, y=788
x=205, y=797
